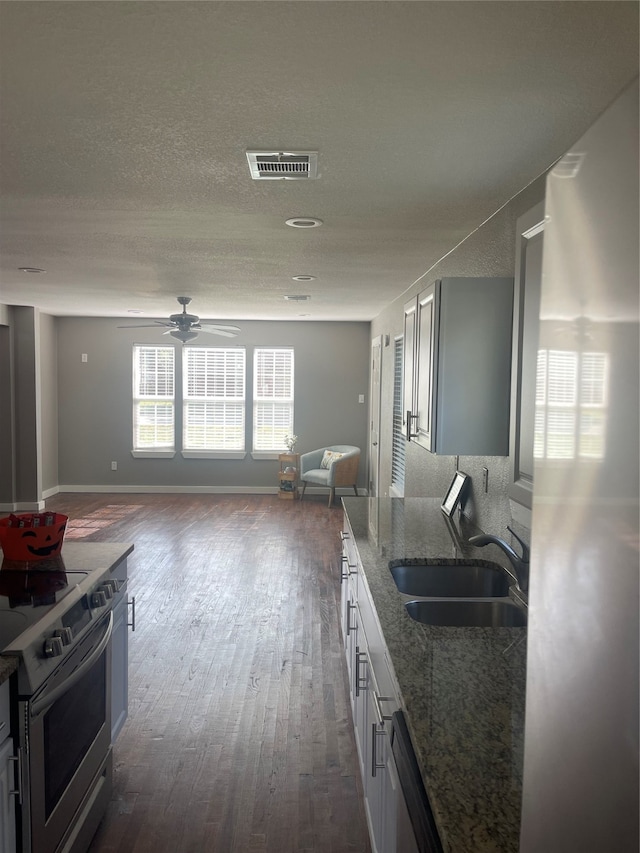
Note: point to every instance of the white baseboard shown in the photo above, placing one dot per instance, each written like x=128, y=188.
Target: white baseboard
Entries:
x=197, y=490
x=22, y=506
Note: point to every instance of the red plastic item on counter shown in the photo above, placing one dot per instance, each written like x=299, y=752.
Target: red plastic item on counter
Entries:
x=32, y=536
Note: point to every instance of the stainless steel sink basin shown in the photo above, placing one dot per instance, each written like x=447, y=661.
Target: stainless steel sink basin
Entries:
x=468, y=614
x=455, y=581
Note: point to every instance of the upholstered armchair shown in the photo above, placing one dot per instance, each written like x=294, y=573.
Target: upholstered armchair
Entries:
x=332, y=466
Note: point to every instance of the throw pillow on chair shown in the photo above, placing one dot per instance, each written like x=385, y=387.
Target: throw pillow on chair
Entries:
x=328, y=457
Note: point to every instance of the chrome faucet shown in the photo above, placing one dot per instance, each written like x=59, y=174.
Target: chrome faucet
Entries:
x=520, y=564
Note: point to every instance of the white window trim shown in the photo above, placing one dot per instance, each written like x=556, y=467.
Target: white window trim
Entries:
x=154, y=452
x=213, y=454
x=257, y=401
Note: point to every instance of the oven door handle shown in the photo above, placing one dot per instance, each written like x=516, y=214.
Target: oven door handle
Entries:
x=46, y=701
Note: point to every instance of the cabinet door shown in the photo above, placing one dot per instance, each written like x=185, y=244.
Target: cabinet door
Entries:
x=408, y=367
x=426, y=337
x=7, y=806
x=526, y=325
x=119, y=668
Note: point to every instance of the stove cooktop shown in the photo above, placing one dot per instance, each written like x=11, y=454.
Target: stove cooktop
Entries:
x=26, y=596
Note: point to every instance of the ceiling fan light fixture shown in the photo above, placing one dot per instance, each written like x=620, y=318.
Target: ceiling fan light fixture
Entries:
x=183, y=335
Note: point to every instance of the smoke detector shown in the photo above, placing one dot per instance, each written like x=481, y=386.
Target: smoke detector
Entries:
x=283, y=165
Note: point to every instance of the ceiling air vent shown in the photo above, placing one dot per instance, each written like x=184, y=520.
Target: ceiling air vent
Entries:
x=297, y=298
x=283, y=165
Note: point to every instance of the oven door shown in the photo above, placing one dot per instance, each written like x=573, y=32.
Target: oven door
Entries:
x=69, y=744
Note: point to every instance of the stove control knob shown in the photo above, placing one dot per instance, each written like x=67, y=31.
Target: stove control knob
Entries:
x=107, y=589
x=98, y=599
x=113, y=584
x=65, y=634
x=52, y=647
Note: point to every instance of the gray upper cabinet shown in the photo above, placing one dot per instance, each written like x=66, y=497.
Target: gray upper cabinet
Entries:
x=458, y=366
x=529, y=239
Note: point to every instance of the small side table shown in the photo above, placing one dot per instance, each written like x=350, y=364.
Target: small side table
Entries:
x=288, y=480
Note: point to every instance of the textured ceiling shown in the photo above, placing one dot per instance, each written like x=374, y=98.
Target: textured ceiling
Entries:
x=124, y=127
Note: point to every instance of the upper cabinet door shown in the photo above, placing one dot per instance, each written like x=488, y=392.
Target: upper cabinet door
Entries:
x=461, y=368
x=526, y=323
x=425, y=376
x=408, y=366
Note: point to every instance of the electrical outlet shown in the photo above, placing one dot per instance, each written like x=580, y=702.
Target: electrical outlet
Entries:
x=361, y=398
x=114, y=466
x=85, y=357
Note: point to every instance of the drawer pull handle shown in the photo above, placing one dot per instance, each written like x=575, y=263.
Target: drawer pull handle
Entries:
x=361, y=657
x=376, y=701
x=375, y=732
x=350, y=627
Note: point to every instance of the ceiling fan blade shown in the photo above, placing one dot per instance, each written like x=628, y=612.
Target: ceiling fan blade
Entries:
x=218, y=326
x=212, y=330
x=147, y=325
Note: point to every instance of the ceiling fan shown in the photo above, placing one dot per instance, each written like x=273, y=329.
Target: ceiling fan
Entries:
x=185, y=327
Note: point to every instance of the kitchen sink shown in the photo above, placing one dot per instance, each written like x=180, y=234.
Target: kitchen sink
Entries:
x=468, y=614
x=468, y=580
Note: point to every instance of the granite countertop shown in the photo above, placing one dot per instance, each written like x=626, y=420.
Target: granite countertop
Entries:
x=75, y=557
x=462, y=689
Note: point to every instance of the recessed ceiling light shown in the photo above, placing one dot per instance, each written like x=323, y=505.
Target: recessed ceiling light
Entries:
x=304, y=222
x=304, y=277
x=31, y=269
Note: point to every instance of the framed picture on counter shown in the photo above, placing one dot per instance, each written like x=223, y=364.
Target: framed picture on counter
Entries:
x=454, y=495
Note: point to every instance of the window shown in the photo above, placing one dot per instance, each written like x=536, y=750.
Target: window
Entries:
x=213, y=398
x=571, y=404
x=272, y=398
x=153, y=398
x=398, y=439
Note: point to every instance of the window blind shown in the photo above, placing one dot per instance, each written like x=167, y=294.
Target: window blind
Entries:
x=571, y=400
x=153, y=398
x=214, y=398
x=398, y=441
x=273, y=398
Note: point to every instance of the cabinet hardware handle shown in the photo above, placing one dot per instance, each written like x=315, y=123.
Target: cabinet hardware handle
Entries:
x=361, y=657
x=17, y=792
x=352, y=569
x=375, y=731
x=350, y=627
x=132, y=604
x=344, y=535
x=410, y=418
x=376, y=701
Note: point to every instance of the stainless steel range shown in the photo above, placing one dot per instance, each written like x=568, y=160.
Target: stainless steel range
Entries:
x=59, y=623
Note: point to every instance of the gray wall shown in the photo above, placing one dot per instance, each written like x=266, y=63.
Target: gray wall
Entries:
x=95, y=408
x=489, y=251
x=48, y=356
x=7, y=449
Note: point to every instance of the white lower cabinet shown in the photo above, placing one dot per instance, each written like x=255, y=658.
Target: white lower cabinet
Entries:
x=120, y=653
x=7, y=776
x=119, y=668
x=373, y=701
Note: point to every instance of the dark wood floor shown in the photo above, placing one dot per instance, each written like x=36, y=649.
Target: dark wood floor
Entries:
x=239, y=735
